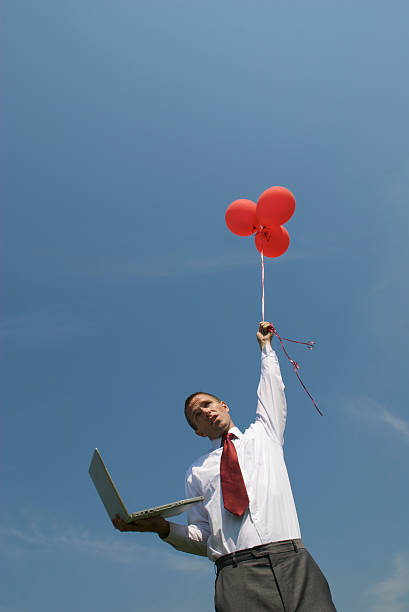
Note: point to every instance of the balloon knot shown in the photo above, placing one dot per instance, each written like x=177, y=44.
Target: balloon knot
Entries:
x=263, y=229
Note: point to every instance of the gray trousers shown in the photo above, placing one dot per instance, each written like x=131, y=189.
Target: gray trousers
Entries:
x=276, y=577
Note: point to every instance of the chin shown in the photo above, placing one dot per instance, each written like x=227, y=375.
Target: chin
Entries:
x=215, y=434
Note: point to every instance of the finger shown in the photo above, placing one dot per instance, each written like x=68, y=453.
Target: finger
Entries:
x=118, y=523
x=139, y=525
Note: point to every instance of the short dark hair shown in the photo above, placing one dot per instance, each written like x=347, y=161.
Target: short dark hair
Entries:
x=191, y=397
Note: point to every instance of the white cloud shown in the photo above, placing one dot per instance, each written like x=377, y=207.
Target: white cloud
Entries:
x=372, y=411
x=173, y=267
x=396, y=423
x=392, y=594
x=115, y=549
x=385, y=303
x=31, y=328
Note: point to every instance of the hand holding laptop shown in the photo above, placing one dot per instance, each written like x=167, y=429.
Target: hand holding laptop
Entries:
x=156, y=524
x=151, y=519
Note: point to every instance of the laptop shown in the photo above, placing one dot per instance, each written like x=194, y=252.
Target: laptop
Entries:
x=113, y=501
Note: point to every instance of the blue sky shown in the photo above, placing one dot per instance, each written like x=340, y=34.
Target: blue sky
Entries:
x=128, y=128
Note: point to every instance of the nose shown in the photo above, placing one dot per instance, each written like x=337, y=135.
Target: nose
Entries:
x=207, y=411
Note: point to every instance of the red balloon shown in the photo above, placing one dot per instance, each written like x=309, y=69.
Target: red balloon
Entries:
x=275, y=206
x=241, y=217
x=274, y=241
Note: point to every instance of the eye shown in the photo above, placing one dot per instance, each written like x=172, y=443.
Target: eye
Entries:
x=197, y=414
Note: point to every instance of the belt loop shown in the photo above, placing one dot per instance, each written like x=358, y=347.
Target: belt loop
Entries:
x=234, y=559
x=295, y=546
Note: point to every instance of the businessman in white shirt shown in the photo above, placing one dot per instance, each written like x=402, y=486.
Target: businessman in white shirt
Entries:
x=247, y=523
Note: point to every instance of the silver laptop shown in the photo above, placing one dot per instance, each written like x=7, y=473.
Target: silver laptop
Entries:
x=113, y=502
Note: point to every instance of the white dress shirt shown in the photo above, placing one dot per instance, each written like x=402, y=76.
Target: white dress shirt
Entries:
x=271, y=516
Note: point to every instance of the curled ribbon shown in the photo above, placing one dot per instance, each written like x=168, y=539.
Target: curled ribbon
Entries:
x=309, y=345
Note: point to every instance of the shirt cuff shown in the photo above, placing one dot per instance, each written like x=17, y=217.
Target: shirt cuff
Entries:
x=178, y=534
x=182, y=538
x=267, y=350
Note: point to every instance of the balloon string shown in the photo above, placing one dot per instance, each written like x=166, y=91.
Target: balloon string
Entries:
x=262, y=280
x=309, y=345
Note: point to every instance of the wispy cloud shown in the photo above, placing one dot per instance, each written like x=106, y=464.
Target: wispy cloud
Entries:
x=396, y=423
x=371, y=411
x=32, y=540
x=173, y=267
x=385, y=304
x=33, y=327
x=392, y=594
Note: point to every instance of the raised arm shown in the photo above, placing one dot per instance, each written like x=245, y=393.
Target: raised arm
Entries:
x=271, y=406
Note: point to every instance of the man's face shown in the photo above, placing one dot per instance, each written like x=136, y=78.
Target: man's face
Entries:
x=209, y=417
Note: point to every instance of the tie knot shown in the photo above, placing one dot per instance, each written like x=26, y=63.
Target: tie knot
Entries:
x=228, y=436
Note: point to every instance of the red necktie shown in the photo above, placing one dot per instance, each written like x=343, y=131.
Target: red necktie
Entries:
x=235, y=496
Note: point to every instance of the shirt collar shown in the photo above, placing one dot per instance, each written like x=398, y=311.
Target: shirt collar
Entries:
x=217, y=441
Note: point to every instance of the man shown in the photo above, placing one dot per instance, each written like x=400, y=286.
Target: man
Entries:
x=247, y=523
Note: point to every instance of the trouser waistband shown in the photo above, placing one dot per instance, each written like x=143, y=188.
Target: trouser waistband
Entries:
x=259, y=551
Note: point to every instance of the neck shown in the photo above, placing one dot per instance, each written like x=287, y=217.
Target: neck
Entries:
x=225, y=431
x=229, y=426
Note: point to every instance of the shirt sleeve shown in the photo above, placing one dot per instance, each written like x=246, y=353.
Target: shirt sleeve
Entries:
x=191, y=538
x=271, y=405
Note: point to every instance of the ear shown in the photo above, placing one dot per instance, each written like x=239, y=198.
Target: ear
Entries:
x=225, y=406
x=199, y=433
